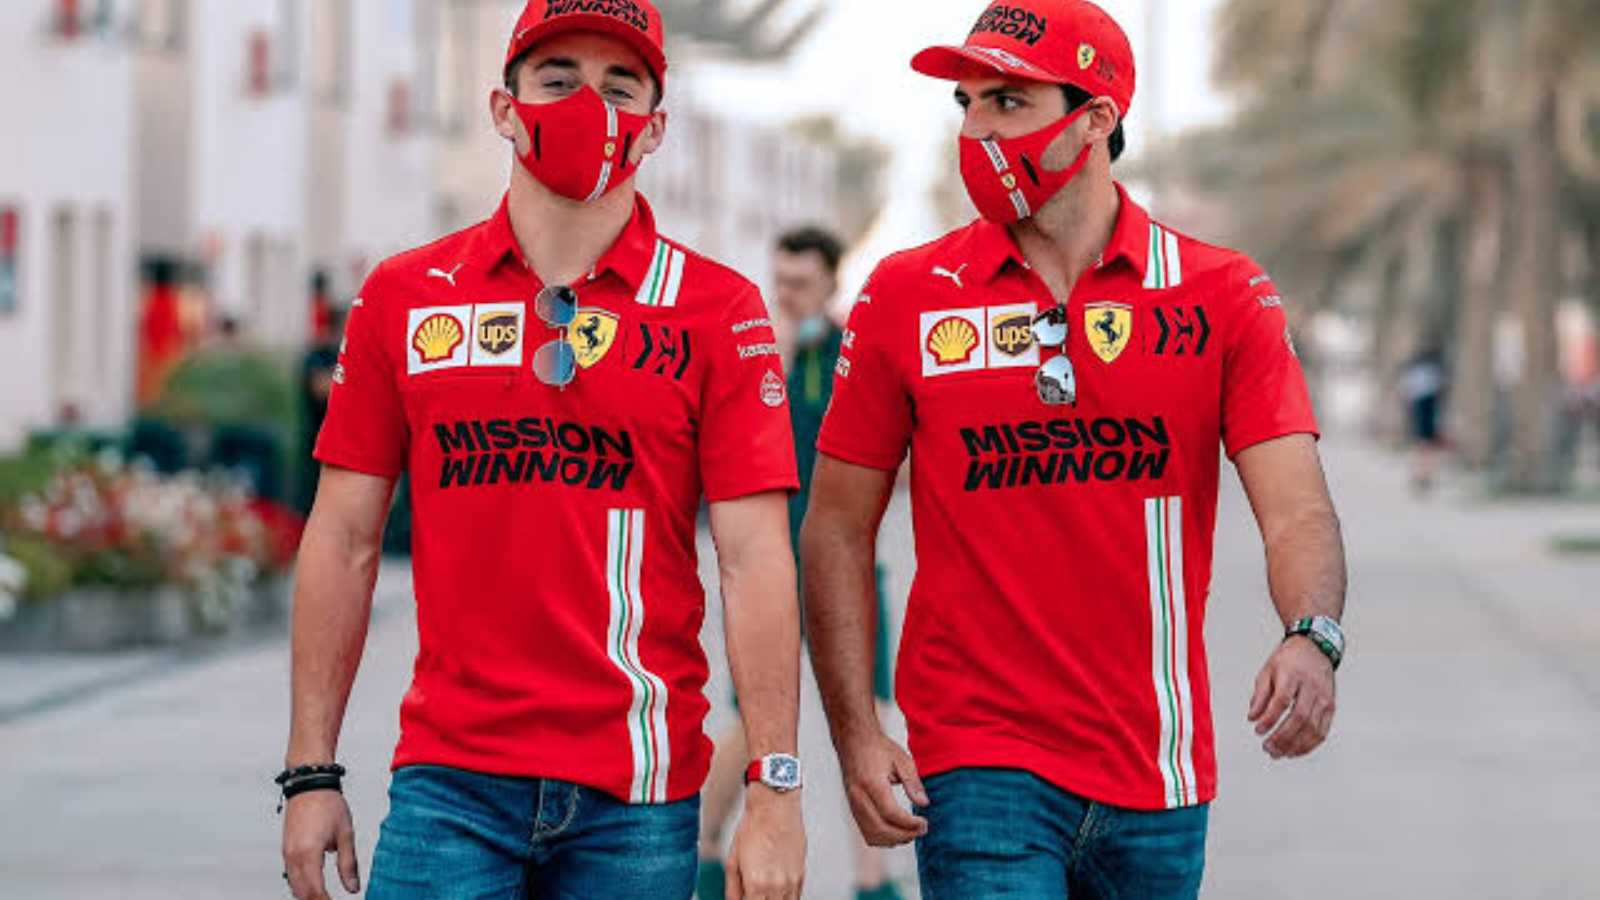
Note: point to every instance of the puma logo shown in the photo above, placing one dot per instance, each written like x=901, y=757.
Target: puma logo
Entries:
x=955, y=276
x=449, y=276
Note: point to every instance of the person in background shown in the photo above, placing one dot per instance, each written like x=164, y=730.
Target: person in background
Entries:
x=319, y=370
x=1423, y=382
x=806, y=267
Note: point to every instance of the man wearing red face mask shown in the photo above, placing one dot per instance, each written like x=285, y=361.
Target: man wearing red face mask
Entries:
x=563, y=386
x=1062, y=371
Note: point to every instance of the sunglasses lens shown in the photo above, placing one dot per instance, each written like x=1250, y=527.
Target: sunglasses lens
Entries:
x=1050, y=327
x=1057, y=382
x=555, y=364
x=556, y=306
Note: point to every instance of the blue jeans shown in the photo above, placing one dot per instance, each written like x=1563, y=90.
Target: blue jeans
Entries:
x=455, y=835
x=1006, y=833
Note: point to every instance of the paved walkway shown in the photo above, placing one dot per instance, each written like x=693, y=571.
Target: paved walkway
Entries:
x=1460, y=766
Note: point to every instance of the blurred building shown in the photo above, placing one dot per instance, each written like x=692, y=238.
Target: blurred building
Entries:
x=242, y=146
x=67, y=217
x=726, y=188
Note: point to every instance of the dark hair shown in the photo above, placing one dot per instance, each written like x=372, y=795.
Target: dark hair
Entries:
x=1077, y=97
x=516, y=65
x=811, y=239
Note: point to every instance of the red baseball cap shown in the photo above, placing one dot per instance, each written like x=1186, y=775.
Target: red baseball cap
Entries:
x=1058, y=41
x=634, y=22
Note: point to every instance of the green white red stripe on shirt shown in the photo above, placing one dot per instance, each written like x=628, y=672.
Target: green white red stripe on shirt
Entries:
x=1164, y=266
x=664, y=278
x=1169, y=650
x=647, y=713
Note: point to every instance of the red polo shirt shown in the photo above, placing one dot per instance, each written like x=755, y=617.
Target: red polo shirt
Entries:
x=558, y=598
x=1064, y=554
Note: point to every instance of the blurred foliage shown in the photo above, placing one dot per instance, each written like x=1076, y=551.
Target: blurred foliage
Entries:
x=48, y=570
x=25, y=473
x=232, y=397
x=746, y=33
x=1420, y=162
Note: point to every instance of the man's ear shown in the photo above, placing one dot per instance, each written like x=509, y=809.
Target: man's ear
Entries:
x=1103, y=117
x=507, y=123
x=650, y=141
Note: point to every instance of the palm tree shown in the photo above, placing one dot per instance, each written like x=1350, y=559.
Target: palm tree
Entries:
x=1369, y=122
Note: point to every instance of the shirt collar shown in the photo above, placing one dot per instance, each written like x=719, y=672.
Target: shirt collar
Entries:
x=629, y=257
x=991, y=247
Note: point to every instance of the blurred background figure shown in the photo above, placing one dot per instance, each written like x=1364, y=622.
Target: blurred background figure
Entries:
x=1423, y=385
x=805, y=284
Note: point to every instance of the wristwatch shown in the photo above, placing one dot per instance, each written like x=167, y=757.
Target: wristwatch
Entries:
x=779, y=771
x=1324, y=632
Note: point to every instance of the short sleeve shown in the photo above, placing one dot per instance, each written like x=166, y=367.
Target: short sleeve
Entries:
x=365, y=429
x=746, y=439
x=869, y=421
x=1264, y=393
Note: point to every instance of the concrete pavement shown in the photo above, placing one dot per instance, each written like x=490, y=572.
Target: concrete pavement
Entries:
x=1470, y=706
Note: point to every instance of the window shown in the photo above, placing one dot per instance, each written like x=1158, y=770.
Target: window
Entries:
x=69, y=19
x=63, y=306
x=106, y=260
x=10, y=228
x=160, y=25
x=258, y=63
x=399, y=107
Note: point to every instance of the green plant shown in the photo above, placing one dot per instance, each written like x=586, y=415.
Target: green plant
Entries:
x=49, y=571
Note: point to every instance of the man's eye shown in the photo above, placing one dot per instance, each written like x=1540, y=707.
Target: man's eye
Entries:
x=1008, y=104
x=559, y=84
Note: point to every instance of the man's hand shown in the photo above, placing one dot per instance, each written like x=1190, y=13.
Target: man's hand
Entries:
x=315, y=824
x=768, y=859
x=872, y=766
x=1298, y=675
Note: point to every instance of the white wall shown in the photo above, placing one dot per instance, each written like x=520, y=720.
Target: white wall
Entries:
x=389, y=177
x=70, y=115
x=251, y=165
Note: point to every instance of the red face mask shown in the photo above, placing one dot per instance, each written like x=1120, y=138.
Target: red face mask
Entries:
x=579, y=146
x=1007, y=179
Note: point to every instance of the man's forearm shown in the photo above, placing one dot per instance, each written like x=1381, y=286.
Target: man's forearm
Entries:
x=840, y=622
x=334, y=578
x=763, y=634
x=1306, y=567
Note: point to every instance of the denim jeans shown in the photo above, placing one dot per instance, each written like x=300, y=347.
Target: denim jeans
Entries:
x=455, y=835
x=1006, y=833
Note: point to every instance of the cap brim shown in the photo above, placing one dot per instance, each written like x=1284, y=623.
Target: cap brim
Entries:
x=594, y=22
x=957, y=63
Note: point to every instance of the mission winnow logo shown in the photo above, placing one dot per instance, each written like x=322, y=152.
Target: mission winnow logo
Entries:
x=484, y=452
x=1058, y=451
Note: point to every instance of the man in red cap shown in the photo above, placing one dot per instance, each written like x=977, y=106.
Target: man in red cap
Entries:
x=1062, y=371
x=563, y=386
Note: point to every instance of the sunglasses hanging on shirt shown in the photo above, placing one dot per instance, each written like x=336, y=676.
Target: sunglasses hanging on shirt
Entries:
x=556, y=364
x=1056, y=380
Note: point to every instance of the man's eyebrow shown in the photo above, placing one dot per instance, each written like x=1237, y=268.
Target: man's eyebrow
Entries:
x=625, y=72
x=557, y=62
x=1000, y=91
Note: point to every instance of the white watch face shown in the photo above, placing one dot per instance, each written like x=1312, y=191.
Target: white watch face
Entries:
x=781, y=772
x=1329, y=631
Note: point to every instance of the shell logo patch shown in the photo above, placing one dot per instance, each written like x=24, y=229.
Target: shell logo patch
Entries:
x=437, y=338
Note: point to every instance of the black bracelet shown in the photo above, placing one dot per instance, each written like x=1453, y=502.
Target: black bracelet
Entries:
x=312, y=783
x=288, y=775
x=304, y=779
